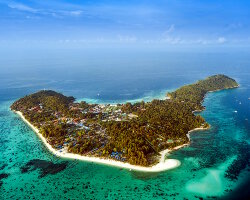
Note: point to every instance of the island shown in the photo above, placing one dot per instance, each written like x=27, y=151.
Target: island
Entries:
x=135, y=136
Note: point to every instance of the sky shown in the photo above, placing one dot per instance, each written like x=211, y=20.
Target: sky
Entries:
x=162, y=23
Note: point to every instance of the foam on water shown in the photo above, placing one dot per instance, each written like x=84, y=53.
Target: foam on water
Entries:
x=147, y=97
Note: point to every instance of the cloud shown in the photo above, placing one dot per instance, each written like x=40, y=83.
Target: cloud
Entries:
x=50, y=12
x=120, y=39
x=170, y=29
x=174, y=40
x=168, y=38
x=127, y=39
x=98, y=11
x=221, y=40
x=22, y=7
x=74, y=13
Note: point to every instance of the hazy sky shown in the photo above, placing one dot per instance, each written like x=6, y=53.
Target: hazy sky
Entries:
x=125, y=22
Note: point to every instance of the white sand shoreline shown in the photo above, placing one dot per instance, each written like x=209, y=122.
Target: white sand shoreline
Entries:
x=163, y=165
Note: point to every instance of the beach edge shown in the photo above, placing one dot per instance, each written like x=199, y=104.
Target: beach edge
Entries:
x=163, y=165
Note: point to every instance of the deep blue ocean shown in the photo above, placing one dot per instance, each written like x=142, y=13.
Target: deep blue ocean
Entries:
x=214, y=166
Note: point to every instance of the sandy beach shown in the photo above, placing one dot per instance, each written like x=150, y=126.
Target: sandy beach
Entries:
x=164, y=164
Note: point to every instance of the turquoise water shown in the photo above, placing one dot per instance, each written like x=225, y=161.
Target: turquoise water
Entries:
x=215, y=165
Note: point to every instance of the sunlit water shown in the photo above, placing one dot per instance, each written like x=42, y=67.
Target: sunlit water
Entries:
x=215, y=165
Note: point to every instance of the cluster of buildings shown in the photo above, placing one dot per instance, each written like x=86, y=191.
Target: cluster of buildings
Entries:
x=91, y=122
x=117, y=156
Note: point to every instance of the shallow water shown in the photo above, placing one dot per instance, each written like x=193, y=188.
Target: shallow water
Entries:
x=215, y=165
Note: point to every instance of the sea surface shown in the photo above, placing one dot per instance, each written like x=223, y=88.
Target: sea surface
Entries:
x=214, y=166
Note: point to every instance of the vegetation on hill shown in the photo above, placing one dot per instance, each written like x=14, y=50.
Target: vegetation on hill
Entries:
x=195, y=93
x=134, y=133
x=47, y=99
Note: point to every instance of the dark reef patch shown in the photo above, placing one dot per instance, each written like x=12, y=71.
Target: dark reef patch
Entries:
x=45, y=167
x=2, y=176
x=3, y=166
x=240, y=163
x=242, y=191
